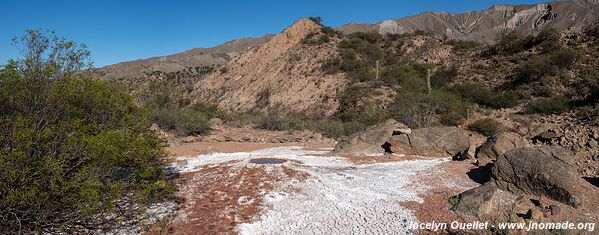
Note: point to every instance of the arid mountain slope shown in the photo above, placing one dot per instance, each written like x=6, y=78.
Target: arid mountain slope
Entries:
x=283, y=72
x=487, y=25
x=194, y=58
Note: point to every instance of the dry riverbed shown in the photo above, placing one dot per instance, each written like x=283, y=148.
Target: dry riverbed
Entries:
x=299, y=189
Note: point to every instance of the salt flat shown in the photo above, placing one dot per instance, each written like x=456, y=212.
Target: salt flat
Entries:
x=338, y=197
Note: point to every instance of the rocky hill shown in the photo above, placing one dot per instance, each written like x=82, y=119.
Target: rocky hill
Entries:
x=284, y=72
x=488, y=25
x=315, y=70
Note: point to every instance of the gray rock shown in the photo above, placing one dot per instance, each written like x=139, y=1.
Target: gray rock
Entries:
x=496, y=145
x=369, y=141
x=540, y=171
x=547, y=137
x=478, y=201
x=593, y=144
x=434, y=141
x=400, y=131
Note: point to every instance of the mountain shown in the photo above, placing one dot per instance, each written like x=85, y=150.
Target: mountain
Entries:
x=290, y=71
x=487, y=25
x=203, y=58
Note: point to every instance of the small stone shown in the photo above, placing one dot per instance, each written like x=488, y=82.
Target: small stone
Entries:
x=593, y=144
x=535, y=214
x=555, y=209
x=544, y=202
x=404, y=131
x=522, y=204
x=546, y=212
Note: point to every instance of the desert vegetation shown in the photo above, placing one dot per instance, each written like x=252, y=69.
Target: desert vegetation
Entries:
x=76, y=154
x=486, y=126
x=377, y=67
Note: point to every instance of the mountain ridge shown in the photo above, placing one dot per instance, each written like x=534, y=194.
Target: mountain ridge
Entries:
x=196, y=57
x=487, y=25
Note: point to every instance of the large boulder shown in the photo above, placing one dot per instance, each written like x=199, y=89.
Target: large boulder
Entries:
x=540, y=171
x=369, y=141
x=498, y=144
x=479, y=201
x=434, y=141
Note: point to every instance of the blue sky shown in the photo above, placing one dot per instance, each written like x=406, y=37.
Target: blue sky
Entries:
x=124, y=30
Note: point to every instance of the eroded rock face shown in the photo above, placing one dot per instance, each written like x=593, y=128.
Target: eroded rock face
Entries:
x=434, y=141
x=487, y=25
x=496, y=145
x=541, y=170
x=370, y=141
x=391, y=27
x=478, y=201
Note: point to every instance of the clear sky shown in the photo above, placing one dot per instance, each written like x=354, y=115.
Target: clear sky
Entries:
x=117, y=31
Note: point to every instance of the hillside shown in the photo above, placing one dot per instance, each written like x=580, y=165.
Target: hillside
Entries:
x=488, y=25
x=314, y=71
x=283, y=73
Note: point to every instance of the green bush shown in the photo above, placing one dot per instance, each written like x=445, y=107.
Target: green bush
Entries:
x=486, y=126
x=547, y=64
x=551, y=105
x=402, y=74
x=336, y=129
x=536, y=67
x=418, y=110
x=351, y=95
x=460, y=45
x=329, y=127
x=452, y=119
x=563, y=58
x=183, y=122
x=442, y=77
x=513, y=42
x=316, y=19
x=485, y=96
x=72, y=151
x=272, y=122
x=211, y=111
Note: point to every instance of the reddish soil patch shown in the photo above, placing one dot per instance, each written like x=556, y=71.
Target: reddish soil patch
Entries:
x=275, y=159
x=451, y=180
x=218, y=197
x=435, y=208
x=299, y=175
